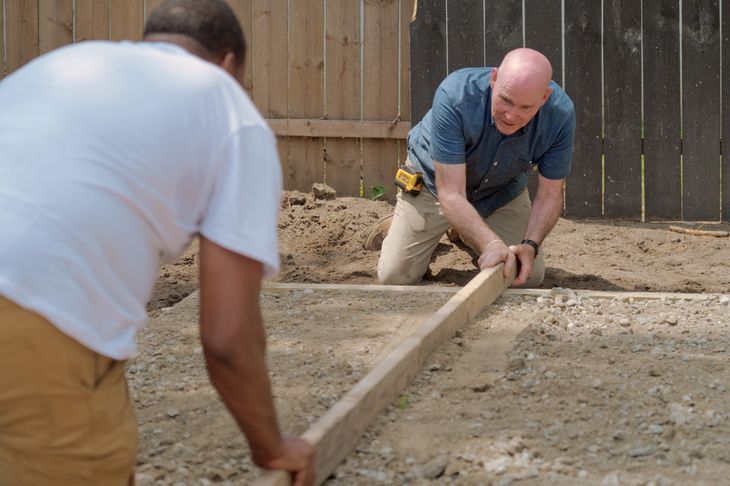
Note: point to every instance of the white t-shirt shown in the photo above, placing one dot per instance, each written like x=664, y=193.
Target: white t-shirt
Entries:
x=112, y=157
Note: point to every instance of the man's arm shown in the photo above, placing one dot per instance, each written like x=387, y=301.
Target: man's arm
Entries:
x=451, y=189
x=544, y=214
x=234, y=344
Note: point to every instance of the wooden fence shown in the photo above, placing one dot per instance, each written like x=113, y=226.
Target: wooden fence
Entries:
x=647, y=80
x=330, y=75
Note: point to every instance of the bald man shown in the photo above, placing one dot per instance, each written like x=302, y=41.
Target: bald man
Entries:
x=487, y=128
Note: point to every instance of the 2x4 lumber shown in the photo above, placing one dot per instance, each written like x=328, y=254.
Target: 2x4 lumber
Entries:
x=336, y=433
x=339, y=128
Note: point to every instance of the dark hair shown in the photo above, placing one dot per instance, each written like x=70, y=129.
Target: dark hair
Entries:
x=211, y=23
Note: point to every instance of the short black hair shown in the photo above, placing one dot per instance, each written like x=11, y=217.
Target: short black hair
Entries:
x=211, y=23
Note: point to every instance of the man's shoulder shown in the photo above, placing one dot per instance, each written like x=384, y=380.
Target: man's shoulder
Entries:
x=559, y=102
x=469, y=80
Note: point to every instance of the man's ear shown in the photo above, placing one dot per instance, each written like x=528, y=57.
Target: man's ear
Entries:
x=228, y=63
x=493, y=78
x=545, y=97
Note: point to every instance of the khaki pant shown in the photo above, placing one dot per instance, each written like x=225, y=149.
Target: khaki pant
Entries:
x=65, y=413
x=418, y=225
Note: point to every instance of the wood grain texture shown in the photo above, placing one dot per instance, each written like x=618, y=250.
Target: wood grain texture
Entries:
x=583, y=83
x=662, y=122
x=21, y=30
x=503, y=29
x=465, y=43
x=306, y=90
x=701, y=110
x=543, y=32
x=92, y=20
x=269, y=62
x=3, y=64
x=380, y=91
x=337, y=432
x=55, y=24
x=622, y=108
x=726, y=115
x=126, y=19
x=244, y=12
x=428, y=55
x=343, y=164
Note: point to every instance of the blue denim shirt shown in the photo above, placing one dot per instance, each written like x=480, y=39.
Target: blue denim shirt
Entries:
x=460, y=129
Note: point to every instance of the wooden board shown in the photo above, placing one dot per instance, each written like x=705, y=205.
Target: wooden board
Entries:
x=244, y=12
x=337, y=432
x=380, y=92
x=544, y=32
x=701, y=110
x=55, y=24
x=622, y=108
x=662, y=146
x=428, y=55
x=503, y=29
x=726, y=116
x=306, y=91
x=270, y=65
x=407, y=8
x=92, y=20
x=21, y=31
x=126, y=19
x=343, y=165
x=583, y=84
x=3, y=64
x=465, y=42
x=150, y=6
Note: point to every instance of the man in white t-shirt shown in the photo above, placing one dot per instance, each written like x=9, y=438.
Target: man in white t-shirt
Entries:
x=113, y=156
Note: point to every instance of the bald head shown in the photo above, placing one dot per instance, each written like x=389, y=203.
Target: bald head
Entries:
x=520, y=86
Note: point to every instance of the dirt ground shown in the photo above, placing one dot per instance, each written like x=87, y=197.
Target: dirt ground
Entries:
x=321, y=242
x=558, y=389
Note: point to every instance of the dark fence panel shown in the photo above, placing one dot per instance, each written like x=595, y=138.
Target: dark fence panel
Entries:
x=701, y=110
x=725, y=149
x=466, y=34
x=622, y=74
x=662, y=122
x=503, y=21
x=428, y=55
x=583, y=84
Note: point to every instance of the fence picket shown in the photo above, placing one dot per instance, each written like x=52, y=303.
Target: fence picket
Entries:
x=544, y=32
x=583, y=84
x=466, y=34
x=306, y=86
x=21, y=43
x=92, y=20
x=3, y=64
x=701, y=110
x=622, y=105
x=725, y=149
x=428, y=55
x=55, y=24
x=342, y=157
x=380, y=92
x=503, y=29
x=126, y=19
x=662, y=164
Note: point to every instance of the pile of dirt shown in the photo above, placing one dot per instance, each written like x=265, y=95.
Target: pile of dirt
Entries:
x=321, y=242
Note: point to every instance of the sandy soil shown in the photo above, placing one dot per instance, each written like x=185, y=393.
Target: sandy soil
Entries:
x=560, y=389
x=321, y=241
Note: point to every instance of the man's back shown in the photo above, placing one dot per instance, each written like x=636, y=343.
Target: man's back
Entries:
x=110, y=157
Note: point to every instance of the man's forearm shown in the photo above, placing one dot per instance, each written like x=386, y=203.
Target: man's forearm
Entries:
x=467, y=221
x=543, y=217
x=241, y=378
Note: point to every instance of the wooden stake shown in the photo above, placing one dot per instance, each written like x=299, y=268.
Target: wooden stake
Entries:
x=699, y=232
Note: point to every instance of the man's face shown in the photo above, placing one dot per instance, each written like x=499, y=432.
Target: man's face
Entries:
x=514, y=104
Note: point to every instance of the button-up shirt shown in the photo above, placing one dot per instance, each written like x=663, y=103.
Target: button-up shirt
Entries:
x=459, y=129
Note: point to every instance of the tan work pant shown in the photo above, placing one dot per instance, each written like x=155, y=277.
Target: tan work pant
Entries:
x=418, y=225
x=65, y=413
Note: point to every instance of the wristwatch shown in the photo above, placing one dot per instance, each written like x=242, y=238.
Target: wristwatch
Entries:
x=534, y=245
